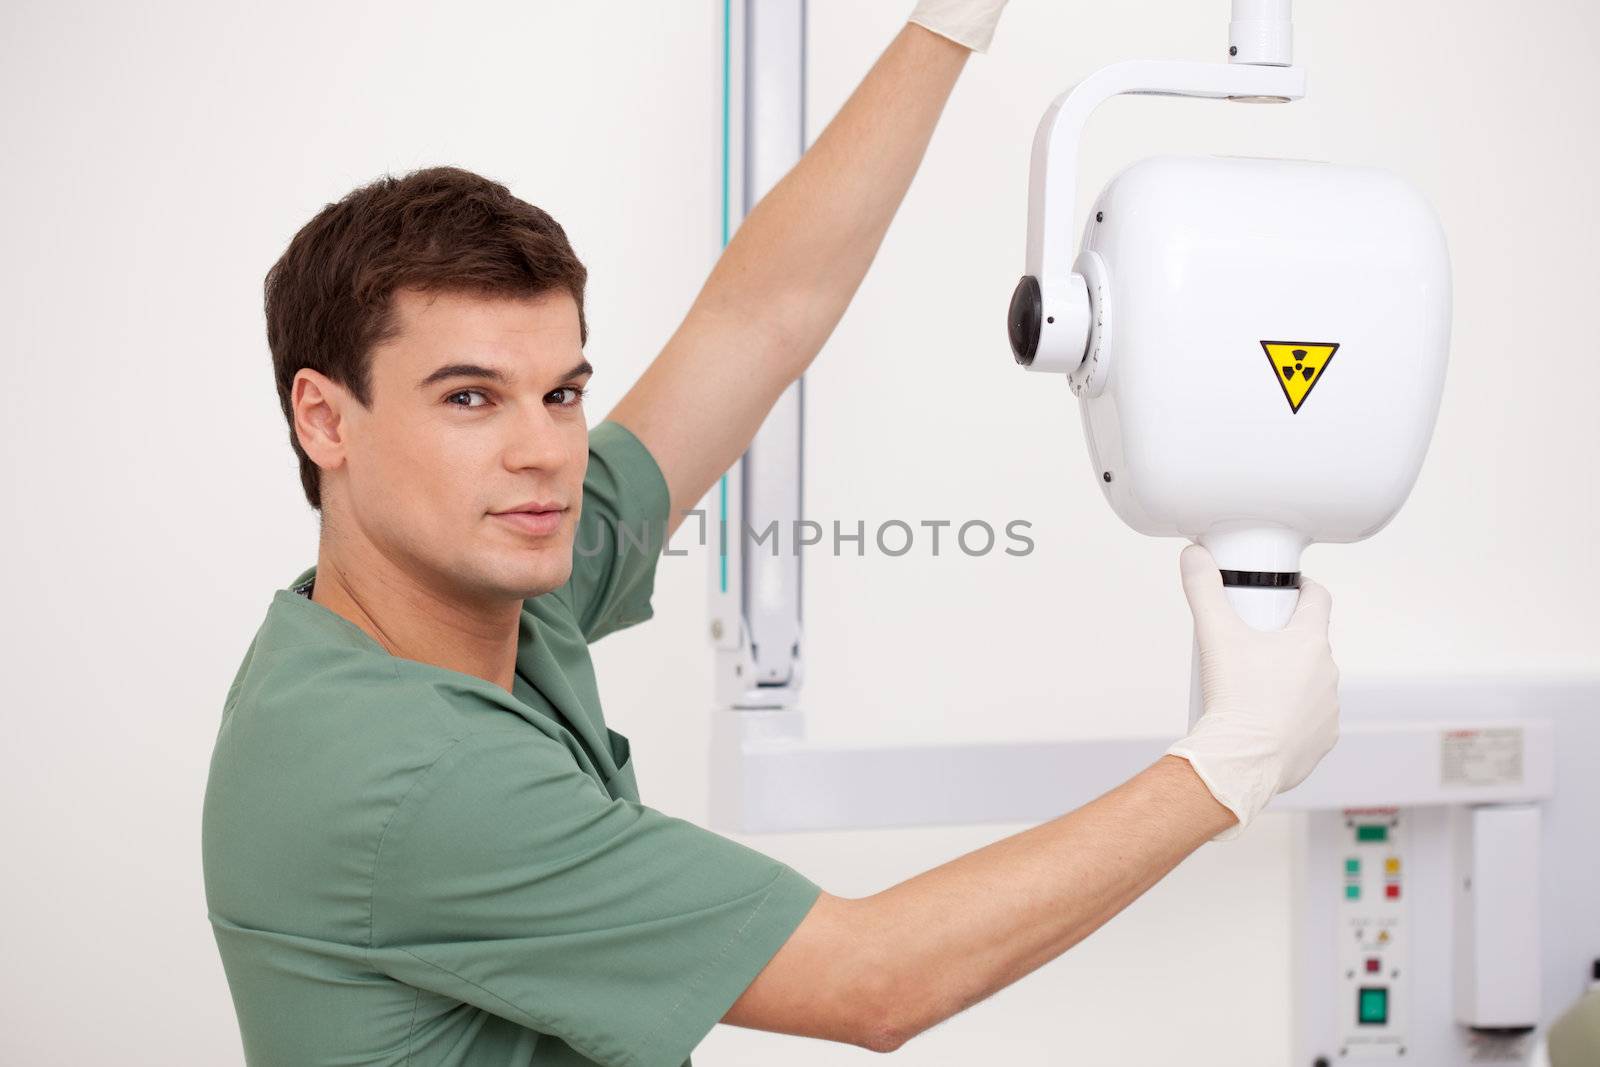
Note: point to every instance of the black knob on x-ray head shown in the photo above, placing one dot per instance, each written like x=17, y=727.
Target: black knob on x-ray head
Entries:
x=1024, y=319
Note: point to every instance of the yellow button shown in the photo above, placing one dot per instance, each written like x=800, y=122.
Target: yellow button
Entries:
x=1392, y=865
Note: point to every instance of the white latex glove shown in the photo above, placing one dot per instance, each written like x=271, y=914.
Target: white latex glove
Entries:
x=1271, y=696
x=969, y=23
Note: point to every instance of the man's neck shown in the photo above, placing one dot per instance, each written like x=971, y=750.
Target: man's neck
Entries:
x=416, y=622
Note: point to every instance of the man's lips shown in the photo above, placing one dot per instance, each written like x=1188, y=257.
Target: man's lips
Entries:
x=543, y=521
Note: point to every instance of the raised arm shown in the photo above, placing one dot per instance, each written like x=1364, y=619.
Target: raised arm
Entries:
x=787, y=275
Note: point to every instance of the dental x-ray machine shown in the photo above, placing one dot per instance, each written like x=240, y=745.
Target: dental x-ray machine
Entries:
x=1258, y=348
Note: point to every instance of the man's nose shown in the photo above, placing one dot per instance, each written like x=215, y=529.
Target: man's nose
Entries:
x=534, y=441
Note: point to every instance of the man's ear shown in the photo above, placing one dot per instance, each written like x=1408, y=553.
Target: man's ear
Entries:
x=321, y=411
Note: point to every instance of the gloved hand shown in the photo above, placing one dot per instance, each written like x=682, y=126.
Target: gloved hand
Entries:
x=969, y=23
x=1271, y=697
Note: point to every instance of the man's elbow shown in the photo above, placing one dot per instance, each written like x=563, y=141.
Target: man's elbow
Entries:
x=884, y=1037
x=884, y=1007
x=840, y=977
x=902, y=1000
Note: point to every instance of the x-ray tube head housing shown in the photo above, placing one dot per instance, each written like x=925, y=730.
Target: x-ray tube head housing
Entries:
x=1258, y=345
x=1266, y=352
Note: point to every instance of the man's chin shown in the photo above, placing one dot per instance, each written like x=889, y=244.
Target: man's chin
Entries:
x=529, y=585
x=486, y=581
x=541, y=589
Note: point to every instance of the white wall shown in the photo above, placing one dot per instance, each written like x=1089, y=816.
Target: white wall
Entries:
x=158, y=158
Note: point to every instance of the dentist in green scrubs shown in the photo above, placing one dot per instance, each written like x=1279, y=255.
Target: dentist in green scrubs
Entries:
x=422, y=844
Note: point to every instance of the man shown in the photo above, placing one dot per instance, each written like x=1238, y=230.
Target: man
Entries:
x=422, y=844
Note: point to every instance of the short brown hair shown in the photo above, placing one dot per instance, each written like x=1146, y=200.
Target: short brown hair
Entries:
x=328, y=296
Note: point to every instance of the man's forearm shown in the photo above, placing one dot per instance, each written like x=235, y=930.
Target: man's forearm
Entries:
x=877, y=971
x=801, y=253
x=964, y=930
x=791, y=269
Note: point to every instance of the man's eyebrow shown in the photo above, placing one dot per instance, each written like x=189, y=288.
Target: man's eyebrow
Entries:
x=491, y=374
x=462, y=370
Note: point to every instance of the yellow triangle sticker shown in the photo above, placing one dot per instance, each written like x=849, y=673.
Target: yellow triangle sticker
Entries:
x=1298, y=366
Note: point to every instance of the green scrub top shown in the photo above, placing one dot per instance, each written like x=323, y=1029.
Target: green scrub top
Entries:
x=408, y=865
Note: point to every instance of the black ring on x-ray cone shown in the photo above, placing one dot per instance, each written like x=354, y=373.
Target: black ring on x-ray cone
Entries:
x=1262, y=579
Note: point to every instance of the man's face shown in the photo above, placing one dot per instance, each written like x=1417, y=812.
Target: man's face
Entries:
x=475, y=413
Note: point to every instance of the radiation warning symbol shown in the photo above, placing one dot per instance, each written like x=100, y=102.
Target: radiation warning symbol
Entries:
x=1298, y=366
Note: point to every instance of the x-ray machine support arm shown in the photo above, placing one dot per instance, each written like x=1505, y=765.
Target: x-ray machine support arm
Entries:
x=1052, y=187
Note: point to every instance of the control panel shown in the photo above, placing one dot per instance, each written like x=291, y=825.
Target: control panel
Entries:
x=1373, y=977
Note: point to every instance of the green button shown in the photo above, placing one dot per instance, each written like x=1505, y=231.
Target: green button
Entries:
x=1352, y=866
x=1352, y=892
x=1372, y=1009
x=1372, y=832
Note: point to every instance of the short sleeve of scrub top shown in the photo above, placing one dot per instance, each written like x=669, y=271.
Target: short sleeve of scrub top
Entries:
x=620, y=534
x=508, y=879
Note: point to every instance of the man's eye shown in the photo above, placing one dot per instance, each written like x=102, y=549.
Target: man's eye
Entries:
x=574, y=398
x=465, y=392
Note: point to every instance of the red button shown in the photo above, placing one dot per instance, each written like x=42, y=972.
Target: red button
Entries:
x=1373, y=965
x=1392, y=891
